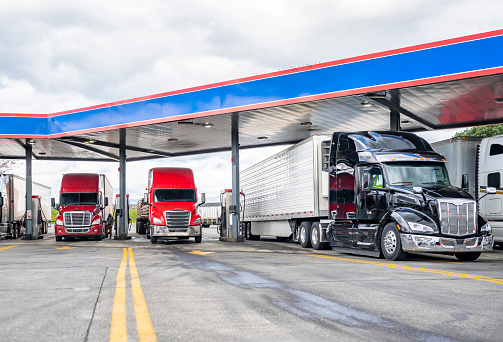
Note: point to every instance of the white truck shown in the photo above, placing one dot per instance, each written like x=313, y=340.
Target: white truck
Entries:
x=13, y=206
x=285, y=189
x=475, y=164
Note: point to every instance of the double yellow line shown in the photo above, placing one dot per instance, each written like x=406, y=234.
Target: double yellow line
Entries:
x=143, y=323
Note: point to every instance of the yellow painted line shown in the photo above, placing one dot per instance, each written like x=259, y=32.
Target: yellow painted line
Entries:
x=118, y=328
x=403, y=267
x=8, y=247
x=199, y=252
x=66, y=247
x=143, y=323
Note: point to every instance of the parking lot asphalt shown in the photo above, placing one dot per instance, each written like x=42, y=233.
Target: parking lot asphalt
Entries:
x=178, y=290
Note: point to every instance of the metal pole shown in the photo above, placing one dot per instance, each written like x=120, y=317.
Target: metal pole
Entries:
x=394, y=116
x=122, y=186
x=235, y=177
x=29, y=227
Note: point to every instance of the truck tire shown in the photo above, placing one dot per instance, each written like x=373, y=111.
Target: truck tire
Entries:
x=59, y=238
x=468, y=256
x=99, y=238
x=138, y=227
x=316, y=237
x=198, y=239
x=153, y=239
x=391, y=245
x=305, y=234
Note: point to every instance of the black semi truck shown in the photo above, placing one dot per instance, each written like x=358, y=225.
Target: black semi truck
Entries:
x=389, y=194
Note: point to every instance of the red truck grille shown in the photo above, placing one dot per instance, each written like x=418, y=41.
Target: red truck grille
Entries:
x=77, y=218
x=177, y=218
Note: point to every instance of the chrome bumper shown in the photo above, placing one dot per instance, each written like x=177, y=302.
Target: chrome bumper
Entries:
x=165, y=231
x=426, y=243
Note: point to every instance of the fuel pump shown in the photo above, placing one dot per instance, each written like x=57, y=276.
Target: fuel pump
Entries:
x=227, y=213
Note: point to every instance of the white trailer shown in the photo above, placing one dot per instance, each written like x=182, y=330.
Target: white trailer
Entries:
x=13, y=193
x=475, y=164
x=286, y=190
x=210, y=213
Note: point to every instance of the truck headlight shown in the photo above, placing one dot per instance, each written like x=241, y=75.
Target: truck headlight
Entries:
x=418, y=227
x=59, y=222
x=486, y=228
x=96, y=221
x=198, y=221
x=157, y=221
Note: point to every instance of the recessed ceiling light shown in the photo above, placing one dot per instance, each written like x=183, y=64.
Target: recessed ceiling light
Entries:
x=307, y=123
x=31, y=142
x=366, y=104
x=90, y=141
x=208, y=125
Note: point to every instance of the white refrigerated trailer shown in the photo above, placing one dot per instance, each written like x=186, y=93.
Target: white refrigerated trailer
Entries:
x=13, y=209
x=285, y=190
x=475, y=164
x=210, y=213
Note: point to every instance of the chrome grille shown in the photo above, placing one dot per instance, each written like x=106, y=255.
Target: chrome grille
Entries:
x=77, y=218
x=458, y=217
x=177, y=218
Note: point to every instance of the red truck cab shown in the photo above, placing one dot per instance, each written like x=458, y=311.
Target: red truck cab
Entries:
x=172, y=201
x=85, y=202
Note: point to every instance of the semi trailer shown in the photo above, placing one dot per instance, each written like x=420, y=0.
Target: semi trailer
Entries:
x=85, y=201
x=13, y=205
x=381, y=193
x=210, y=213
x=172, y=205
x=475, y=164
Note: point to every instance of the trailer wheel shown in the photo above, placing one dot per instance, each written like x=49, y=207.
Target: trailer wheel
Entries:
x=59, y=238
x=305, y=234
x=316, y=237
x=391, y=245
x=468, y=256
x=198, y=239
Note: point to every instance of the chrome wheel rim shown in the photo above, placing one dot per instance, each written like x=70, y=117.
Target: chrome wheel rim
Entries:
x=302, y=235
x=390, y=242
x=314, y=236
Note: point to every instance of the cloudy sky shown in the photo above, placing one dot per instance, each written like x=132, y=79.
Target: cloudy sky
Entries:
x=59, y=55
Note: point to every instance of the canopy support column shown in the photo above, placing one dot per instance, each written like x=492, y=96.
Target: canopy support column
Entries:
x=122, y=185
x=235, y=179
x=29, y=223
x=394, y=115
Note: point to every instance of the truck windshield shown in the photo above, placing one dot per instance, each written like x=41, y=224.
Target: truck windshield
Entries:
x=174, y=195
x=79, y=198
x=425, y=174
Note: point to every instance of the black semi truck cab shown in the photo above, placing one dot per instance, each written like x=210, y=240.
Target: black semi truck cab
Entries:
x=390, y=194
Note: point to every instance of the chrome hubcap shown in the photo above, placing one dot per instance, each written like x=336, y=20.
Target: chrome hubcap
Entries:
x=390, y=242
x=314, y=236
x=302, y=235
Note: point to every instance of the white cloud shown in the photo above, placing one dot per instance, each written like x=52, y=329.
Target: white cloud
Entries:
x=57, y=55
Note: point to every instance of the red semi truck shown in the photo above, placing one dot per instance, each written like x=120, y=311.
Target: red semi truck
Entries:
x=85, y=202
x=172, y=205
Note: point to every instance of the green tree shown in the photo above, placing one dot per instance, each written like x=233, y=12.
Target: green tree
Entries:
x=481, y=131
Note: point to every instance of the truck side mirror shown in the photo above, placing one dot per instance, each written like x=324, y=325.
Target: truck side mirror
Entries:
x=417, y=189
x=203, y=198
x=53, y=202
x=145, y=198
x=465, y=182
x=489, y=191
x=106, y=201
